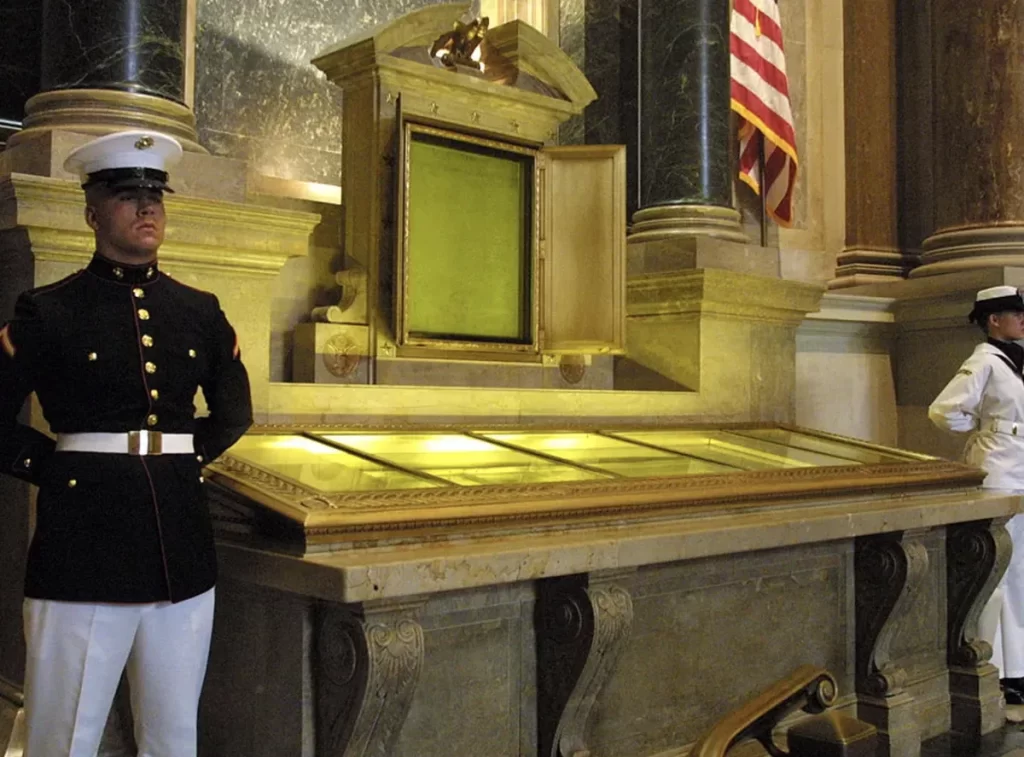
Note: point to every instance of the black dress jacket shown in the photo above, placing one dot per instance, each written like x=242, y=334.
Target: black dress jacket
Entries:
x=116, y=348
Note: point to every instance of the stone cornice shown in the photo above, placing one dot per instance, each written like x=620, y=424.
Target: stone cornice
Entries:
x=203, y=234
x=405, y=570
x=714, y=291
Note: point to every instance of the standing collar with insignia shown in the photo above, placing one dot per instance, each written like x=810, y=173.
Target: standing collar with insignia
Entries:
x=119, y=273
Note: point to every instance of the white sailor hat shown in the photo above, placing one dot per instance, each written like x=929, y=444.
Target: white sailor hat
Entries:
x=998, y=299
x=126, y=159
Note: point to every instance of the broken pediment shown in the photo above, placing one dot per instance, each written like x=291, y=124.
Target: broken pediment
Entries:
x=451, y=46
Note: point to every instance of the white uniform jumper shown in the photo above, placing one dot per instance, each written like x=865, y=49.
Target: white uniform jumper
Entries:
x=986, y=398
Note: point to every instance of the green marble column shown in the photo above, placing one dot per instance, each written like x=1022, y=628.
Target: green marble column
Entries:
x=685, y=140
x=109, y=65
x=127, y=45
x=601, y=38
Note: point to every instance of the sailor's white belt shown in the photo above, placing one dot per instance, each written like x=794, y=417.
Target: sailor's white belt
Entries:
x=128, y=443
x=1013, y=428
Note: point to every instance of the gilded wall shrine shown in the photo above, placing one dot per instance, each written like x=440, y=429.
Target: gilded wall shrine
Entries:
x=258, y=99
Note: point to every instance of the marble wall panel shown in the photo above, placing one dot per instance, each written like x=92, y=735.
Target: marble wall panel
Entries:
x=794, y=35
x=475, y=678
x=303, y=283
x=813, y=37
x=257, y=95
x=688, y=662
x=259, y=674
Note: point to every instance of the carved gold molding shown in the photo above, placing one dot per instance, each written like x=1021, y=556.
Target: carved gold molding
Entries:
x=365, y=515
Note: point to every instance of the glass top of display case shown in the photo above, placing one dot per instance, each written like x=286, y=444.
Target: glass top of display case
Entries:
x=345, y=486
x=364, y=461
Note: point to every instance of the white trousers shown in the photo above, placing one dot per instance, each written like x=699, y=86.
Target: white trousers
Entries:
x=76, y=654
x=1002, y=620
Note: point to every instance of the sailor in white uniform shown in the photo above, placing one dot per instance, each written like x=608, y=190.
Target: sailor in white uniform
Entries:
x=986, y=399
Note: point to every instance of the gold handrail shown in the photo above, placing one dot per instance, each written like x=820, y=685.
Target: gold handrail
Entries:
x=809, y=687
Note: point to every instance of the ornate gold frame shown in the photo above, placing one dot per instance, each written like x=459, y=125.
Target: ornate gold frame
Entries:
x=314, y=517
x=411, y=344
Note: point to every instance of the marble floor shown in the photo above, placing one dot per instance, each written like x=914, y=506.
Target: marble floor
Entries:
x=1009, y=742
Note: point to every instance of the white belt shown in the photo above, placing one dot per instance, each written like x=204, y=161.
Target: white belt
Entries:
x=129, y=443
x=1013, y=428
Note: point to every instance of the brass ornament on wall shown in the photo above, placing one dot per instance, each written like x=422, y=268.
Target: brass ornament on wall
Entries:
x=340, y=356
x=461, y=46
x=573, y=368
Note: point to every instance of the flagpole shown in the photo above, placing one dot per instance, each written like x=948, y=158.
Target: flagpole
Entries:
x=763, y=194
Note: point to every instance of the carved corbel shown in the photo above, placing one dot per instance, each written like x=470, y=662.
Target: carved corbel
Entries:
x=367, y=666
x=888, y=570
x=977, y=555
x=581, y=629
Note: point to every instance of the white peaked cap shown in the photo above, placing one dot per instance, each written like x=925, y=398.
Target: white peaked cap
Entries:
x=126, y=158
x=993, y=293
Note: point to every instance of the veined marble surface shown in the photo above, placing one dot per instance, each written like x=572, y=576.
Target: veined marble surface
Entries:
x=259, y=98
x=133, y=45
x=22, y=22
x=684, y=103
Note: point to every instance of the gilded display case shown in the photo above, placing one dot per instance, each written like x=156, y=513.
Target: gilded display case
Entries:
x=565, y=588
x=327, y=488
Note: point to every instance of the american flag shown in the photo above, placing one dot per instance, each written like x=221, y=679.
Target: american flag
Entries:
x=760, y=95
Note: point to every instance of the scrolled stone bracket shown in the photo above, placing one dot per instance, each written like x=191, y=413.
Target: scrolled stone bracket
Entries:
x=368, y=662
x=582, y=627
x=888, y=571
x=977, y=555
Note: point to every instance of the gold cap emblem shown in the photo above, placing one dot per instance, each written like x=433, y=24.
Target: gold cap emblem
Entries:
x=144, y=143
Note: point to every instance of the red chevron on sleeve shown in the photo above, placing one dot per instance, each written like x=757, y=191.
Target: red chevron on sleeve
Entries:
x=5, y=341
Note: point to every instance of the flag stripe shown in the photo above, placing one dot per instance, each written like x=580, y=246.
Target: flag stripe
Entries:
x=771, y=98
x=760, y=95
x=770, y=8
x=748, y=105
x=767, y=49
x=761, y=66
x=756, y=17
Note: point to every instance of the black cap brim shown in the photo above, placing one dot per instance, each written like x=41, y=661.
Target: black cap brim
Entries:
x=129, y=178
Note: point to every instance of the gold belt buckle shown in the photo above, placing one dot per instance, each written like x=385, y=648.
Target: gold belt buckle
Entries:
x=154, y=442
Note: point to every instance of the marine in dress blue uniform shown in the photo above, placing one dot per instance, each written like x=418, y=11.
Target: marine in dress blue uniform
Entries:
x=123, y=542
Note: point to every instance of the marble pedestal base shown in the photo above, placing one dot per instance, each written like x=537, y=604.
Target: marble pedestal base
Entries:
x=669, y=221
x=972, y=248
x=976, y=703
x=104, y=111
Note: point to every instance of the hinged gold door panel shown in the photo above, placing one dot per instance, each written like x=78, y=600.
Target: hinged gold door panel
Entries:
x=583, y=249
